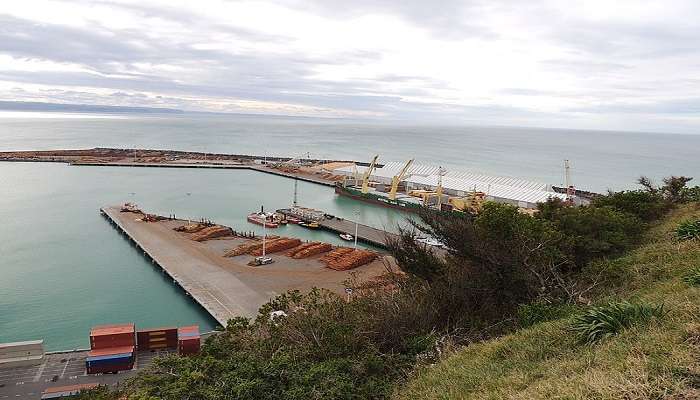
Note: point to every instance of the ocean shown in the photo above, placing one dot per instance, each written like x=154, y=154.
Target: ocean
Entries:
x=63, y=268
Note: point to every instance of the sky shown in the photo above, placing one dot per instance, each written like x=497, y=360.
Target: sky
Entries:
x=617, y=65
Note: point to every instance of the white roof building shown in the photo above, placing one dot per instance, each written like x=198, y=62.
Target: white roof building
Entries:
x=520, y=192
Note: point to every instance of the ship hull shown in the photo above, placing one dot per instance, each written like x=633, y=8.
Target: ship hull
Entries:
x=375, y=199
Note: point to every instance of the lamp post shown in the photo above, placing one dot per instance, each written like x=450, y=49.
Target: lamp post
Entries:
x=357, y=217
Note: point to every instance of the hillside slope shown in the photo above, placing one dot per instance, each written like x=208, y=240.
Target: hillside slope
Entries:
x=658, y=361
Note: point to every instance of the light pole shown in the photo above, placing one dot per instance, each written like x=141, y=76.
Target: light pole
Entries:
x=357, y=217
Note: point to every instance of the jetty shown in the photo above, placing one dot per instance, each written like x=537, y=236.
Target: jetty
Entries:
x=365, y=233
x=220, y=293
x=224, y=284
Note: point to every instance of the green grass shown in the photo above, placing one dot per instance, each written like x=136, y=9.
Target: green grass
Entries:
x=601, y=322
x=693, y=277
x=653, y=360
x=688, y=230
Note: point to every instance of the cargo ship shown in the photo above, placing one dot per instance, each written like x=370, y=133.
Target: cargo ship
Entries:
x=404, y=202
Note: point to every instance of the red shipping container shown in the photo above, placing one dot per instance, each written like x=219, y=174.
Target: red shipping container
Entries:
x=188, y=346
x=111, y=351
x=106, y=336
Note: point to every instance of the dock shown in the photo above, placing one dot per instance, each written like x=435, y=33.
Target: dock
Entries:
x=209, y=284
x=365, y=233
x=250, y=167
x=227, y=287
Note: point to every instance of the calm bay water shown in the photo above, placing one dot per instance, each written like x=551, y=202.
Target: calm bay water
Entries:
x=63, y=268
x=600, y=160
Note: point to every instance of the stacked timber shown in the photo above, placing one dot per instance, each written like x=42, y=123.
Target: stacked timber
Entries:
x=278, y=245
x=247, y=248
x=191, y=228
x=318, y=248
x=349, y=260
x=211, y=232
x=336, y=254
x=304, y=246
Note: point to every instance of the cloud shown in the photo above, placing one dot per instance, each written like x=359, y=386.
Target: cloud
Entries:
x=540, y=63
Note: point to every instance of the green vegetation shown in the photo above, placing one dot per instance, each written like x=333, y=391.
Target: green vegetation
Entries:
x=600, y=322
x=508, y=293
x=688, y=230
x=693, y=277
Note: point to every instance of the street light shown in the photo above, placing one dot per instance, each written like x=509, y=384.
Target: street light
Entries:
x=357, y=213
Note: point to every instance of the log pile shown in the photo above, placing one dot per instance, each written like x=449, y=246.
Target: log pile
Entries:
x=343, y=261
x=192, y=228
x=211, y=232
x=304, y=246
x=336, y=254
x=277, y=245
x=247, y=248
x=316, y=248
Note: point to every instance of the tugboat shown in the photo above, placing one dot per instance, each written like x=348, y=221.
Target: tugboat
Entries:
x=260, y=218
x=310, y=225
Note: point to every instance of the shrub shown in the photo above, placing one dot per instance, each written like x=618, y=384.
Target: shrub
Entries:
x=693, y=277
x=592, y=232
x=645, y=205
x=688, y=230
x=604, y=321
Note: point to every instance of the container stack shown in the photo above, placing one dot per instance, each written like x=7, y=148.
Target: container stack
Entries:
x=157, y=339
x=112, y=349
x=111, y=360
x=188, y=340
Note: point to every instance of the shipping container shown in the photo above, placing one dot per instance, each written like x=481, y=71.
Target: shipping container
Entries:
x=106, y=336
x=111, y=368
x=157, y=339
x=111, y=351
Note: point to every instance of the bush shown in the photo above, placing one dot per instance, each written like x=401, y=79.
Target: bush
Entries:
x=693, y=277
x=604, y=321
x=645, y=205
x=688, y=230
x=592, y=232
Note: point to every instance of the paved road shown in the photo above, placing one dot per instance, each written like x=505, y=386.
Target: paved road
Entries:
x=62, y=369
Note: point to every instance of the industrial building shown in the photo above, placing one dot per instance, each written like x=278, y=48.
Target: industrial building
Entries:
x=518, y=192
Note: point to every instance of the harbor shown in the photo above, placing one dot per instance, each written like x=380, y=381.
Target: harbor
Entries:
x=216, y=275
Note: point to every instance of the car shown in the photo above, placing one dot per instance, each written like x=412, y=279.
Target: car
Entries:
x=263, y=260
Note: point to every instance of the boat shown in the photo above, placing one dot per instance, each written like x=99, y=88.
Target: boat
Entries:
x=347, y=236
x=262, y=219
x=293, y=220
x=310, y=225
x=376, y=198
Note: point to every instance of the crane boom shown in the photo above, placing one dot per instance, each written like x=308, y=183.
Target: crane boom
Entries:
x=398, y=178
x=367, y=174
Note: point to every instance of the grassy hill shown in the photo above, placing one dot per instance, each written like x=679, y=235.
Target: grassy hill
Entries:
x=656, y=360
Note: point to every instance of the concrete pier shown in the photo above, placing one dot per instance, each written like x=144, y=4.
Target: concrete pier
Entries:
x=227, y=287
x=251, y=167
x=365, y=233
x=220, y=293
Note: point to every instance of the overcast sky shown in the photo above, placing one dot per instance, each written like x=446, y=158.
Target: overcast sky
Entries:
x=612, y=64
